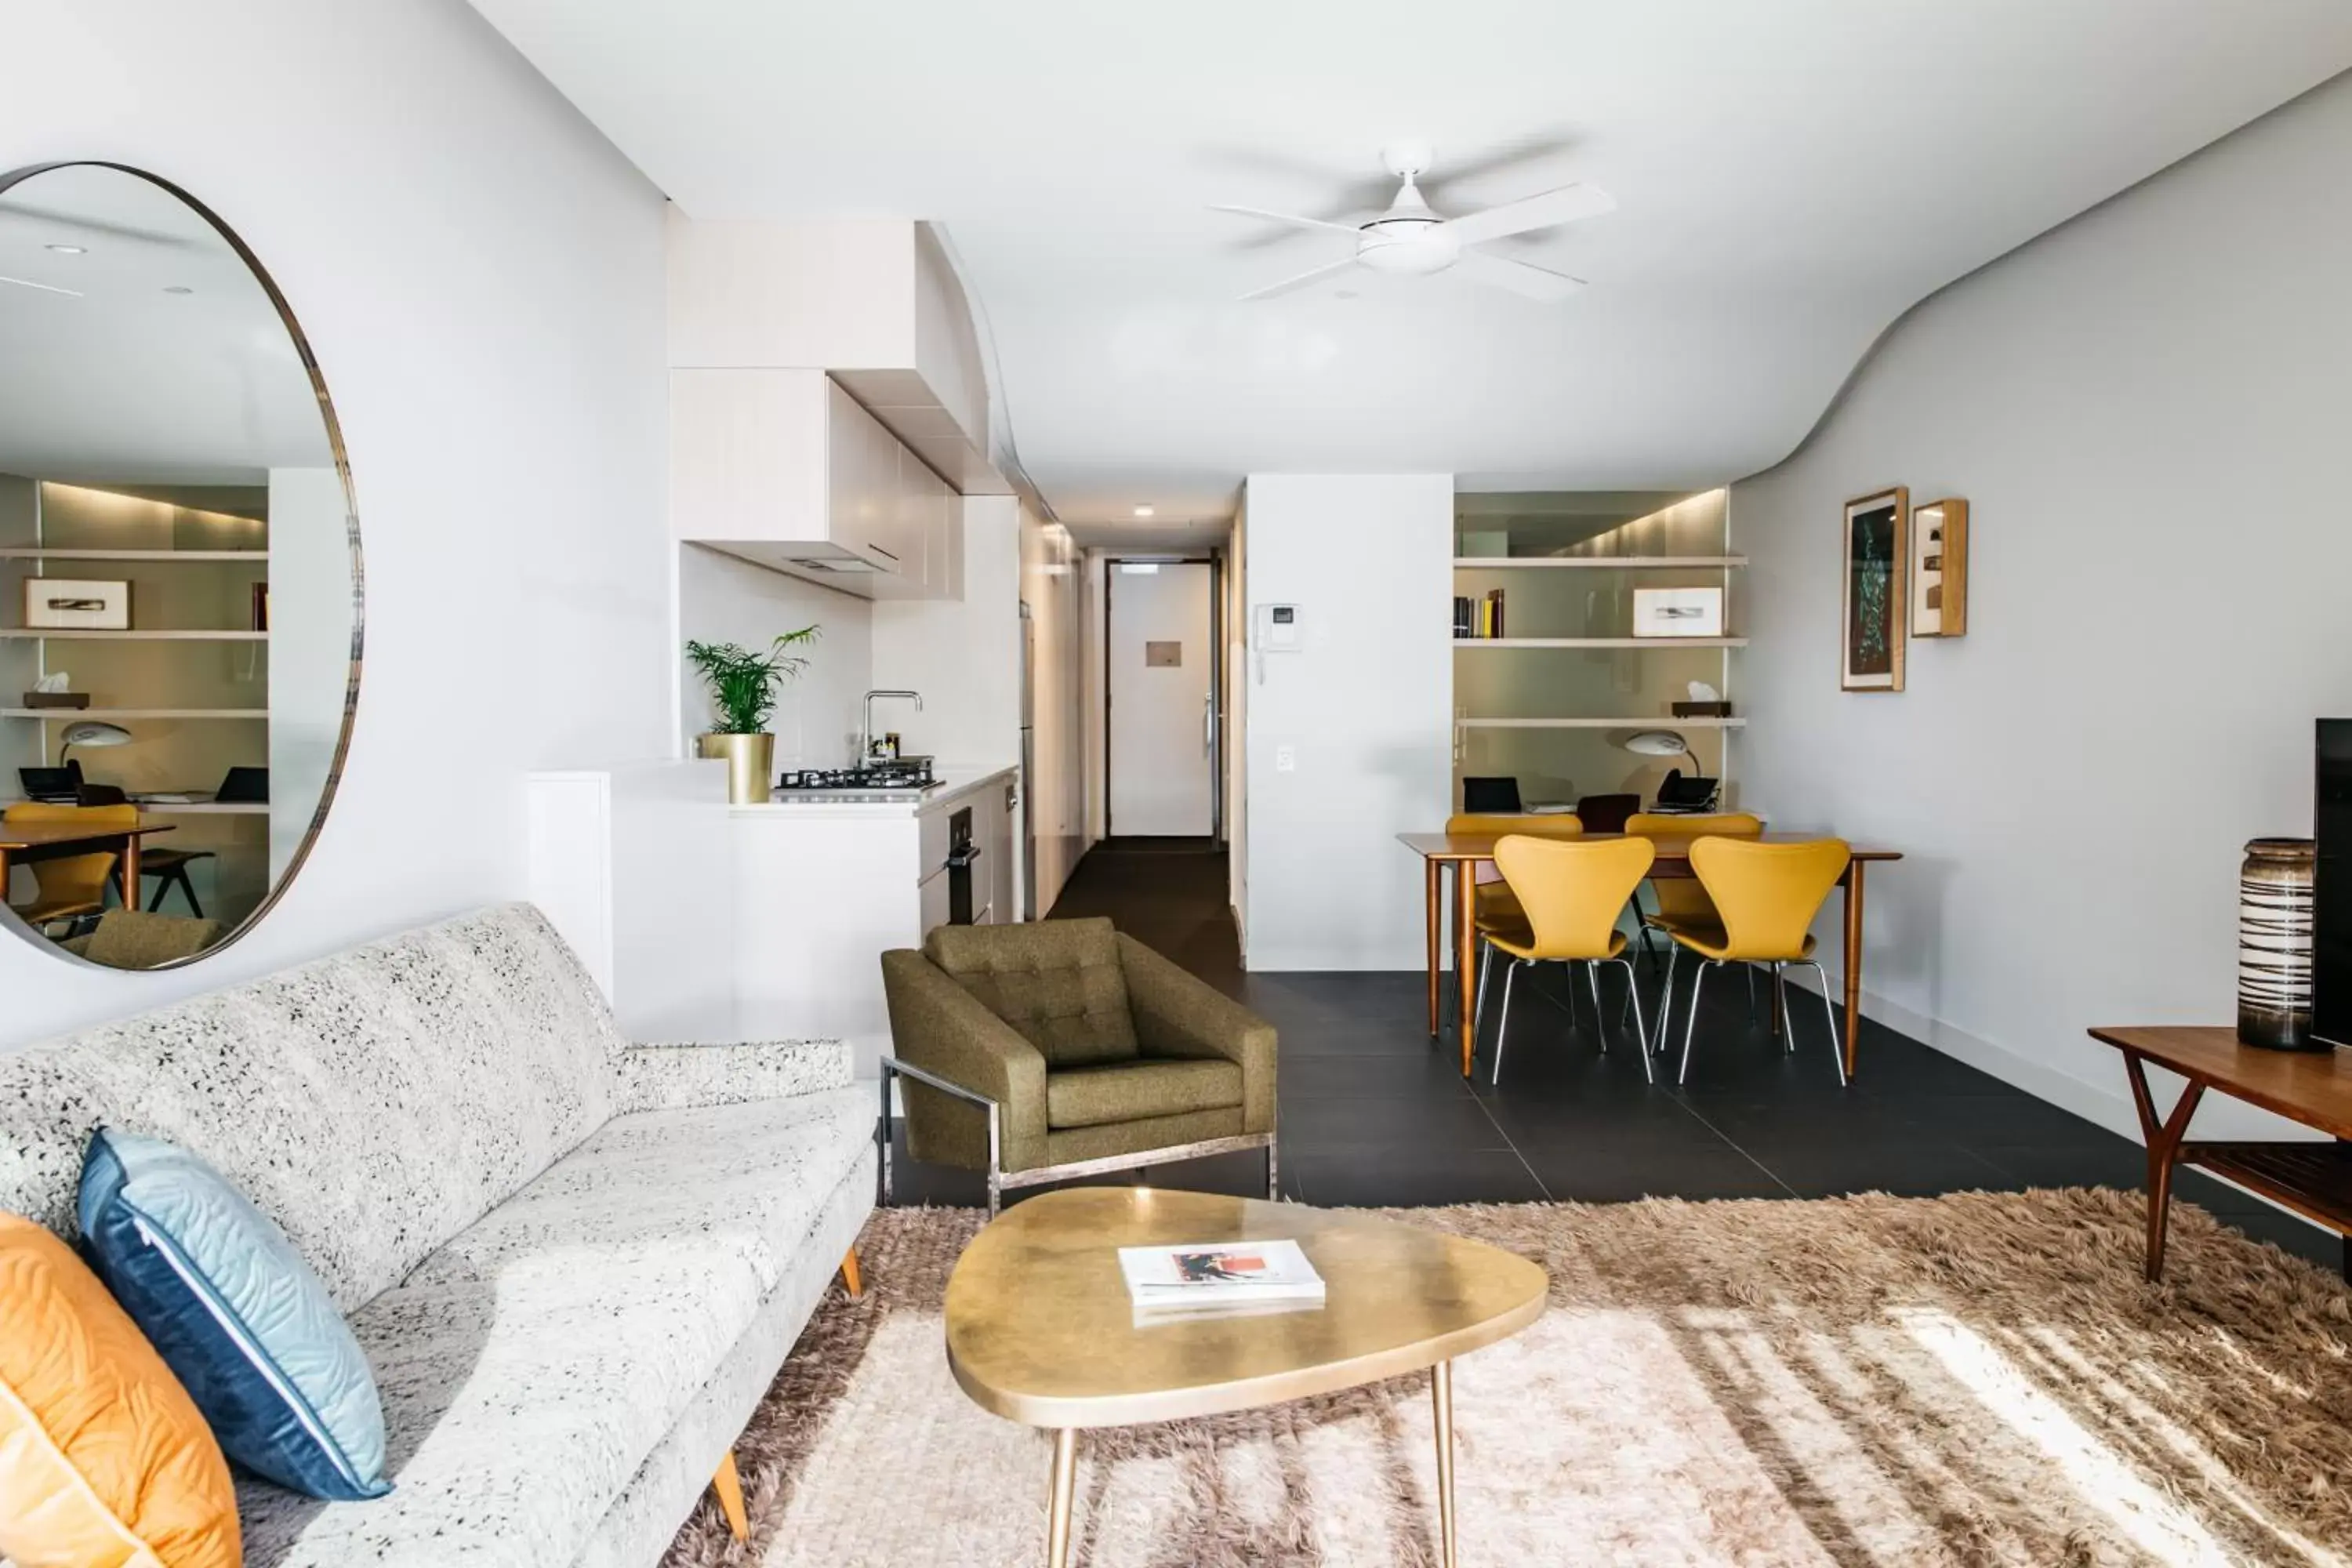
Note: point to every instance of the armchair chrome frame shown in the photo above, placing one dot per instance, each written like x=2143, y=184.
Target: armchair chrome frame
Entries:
x=1001, y=1181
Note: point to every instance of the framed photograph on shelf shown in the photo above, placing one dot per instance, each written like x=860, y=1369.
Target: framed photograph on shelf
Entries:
x=1877, y=563
x=1939, y=569
x=1678, y=611
x=70, y=605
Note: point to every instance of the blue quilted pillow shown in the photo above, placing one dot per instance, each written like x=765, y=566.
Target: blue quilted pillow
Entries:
x=238, y=1315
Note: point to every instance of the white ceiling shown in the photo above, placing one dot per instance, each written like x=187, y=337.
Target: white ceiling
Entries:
x=1791, y=176
x=108, y=378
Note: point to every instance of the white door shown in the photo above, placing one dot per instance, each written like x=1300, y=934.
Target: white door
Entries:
x=1162, y=751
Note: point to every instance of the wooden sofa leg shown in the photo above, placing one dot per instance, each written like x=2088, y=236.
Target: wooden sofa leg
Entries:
x=730, y=1488
x=849, y=1275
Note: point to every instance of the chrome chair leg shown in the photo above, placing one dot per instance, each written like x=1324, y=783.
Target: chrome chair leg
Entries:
x=1829, y=1015
x=1600, y=1028
x=1751, y=990
x=1486, y=972
x=1781, y=1009
x=1641, y=1025
x=1503, y=1024
x=1698, y=984
x=1660, y=1045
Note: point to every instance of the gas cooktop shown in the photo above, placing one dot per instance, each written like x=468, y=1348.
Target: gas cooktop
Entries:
x=877, y=778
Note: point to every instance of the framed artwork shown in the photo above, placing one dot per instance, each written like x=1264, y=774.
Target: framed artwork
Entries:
x=1939, y=569
x=1678, y=611
x=67, y=604
x=1877, y=563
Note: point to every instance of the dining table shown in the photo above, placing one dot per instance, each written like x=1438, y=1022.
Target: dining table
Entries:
x=48, y=839
x=1464, y=853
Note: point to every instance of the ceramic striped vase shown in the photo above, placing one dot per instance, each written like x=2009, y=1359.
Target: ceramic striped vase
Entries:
x=2275, y=909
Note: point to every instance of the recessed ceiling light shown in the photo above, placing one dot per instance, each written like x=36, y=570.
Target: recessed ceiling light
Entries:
x=177, y=288
x=1143, y=511
x=68, y=249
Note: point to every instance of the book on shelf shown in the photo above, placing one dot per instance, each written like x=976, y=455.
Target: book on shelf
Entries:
x=1208, y=1275
x=1479, y=617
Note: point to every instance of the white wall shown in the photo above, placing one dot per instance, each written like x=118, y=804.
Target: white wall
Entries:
x=309, y=648
x=1364, y=708
x=723, y=599
x=481, y=276
x=1236, y=705
x=2144, y=410
x=963, y=655
x=1051, y=586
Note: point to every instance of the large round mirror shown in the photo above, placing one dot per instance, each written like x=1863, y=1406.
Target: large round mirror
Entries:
x=179, y=574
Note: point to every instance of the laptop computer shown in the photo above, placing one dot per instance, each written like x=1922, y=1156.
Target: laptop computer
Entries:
x=244, y=786
x=55, y=787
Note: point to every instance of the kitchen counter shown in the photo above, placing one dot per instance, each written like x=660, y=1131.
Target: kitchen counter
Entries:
x=954, y=785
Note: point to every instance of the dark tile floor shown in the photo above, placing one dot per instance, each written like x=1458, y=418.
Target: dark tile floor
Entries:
x=1375, y=1112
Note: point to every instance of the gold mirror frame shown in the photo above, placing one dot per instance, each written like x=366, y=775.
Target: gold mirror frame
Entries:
x=334, y=430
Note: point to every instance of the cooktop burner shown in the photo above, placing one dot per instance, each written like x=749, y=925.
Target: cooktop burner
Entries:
x=900, y=776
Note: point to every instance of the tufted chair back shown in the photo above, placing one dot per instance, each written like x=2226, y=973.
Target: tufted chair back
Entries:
x=1058, y=982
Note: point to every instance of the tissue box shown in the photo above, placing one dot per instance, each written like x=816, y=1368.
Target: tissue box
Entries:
x=57, y=700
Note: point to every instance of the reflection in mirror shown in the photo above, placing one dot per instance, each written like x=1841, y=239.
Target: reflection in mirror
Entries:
x=179, y=574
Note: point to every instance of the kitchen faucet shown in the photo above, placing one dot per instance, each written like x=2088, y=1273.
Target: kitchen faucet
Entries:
x=866, y=741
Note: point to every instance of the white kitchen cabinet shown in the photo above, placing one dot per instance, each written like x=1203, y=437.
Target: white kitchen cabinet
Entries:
x=784, y=469
x=991, y=828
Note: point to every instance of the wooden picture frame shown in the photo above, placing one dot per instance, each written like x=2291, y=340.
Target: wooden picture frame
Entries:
x=1876, y=596
x=1939, y=568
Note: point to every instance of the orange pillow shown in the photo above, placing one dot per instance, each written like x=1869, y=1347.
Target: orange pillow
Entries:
x=104, y=1462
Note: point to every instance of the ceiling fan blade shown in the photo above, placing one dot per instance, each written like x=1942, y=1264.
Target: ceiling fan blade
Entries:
x=1530, y=282
x=1565, y=205
x=1303, y=279
x=1291, y=219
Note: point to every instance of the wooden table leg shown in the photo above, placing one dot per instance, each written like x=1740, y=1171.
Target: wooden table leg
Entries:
x=130, y=871
x=1440, y=1393
x=2164, y=1140
x=1853, y=964
x=1464, y=939
x=1066, y=1479
x=1433, y=892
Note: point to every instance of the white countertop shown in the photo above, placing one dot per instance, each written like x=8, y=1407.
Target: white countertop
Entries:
x=953, y=785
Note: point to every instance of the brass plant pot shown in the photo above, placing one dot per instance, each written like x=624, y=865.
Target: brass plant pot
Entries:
x=750, y=765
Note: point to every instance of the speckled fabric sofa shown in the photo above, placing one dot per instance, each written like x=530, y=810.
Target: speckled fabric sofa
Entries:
x=575, y=1264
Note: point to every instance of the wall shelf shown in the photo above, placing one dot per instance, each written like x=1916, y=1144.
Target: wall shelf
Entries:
x=77, y=635
x=76, y=715
x=1636, y=722
x=60, y=553
x=1620, y=563
x=1600, y=642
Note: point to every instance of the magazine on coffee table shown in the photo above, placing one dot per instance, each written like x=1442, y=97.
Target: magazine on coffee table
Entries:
x=1205, y=1276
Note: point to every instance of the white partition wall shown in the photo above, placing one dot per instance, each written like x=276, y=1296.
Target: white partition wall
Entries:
x=309, y=648
x=1348, y=737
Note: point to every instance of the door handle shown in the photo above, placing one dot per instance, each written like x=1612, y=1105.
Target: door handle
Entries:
x=1209, y=723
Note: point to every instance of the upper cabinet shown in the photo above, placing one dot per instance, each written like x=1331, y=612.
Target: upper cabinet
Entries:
x=783, y=468
x=872, y=301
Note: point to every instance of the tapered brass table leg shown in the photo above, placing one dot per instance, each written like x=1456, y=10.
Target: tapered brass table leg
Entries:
x=1066, y=1478
x=1441, y=1392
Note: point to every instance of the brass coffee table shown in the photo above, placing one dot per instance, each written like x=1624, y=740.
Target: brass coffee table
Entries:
x=1041, y=1330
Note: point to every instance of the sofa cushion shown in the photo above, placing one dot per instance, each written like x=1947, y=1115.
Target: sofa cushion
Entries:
x=1091, y=1097
x=1057, y=982
x=531, y=1366
x=240, y=1317
x=373, y=1103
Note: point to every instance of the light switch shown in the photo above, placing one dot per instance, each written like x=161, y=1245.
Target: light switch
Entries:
x=1286, y=760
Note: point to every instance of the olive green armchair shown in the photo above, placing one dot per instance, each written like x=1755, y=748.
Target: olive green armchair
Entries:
x=1039, y=1053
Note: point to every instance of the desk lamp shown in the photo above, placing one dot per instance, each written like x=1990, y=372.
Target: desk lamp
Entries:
x=90, y=732
x=1662, y=743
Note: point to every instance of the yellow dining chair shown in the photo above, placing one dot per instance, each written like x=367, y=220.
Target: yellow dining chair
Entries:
x=1495, y=897
x=69, y=885
x=1767, y=896
x=1681, y=901
x=1568, y=895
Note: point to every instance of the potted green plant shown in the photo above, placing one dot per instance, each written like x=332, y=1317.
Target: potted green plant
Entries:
x=742, y=686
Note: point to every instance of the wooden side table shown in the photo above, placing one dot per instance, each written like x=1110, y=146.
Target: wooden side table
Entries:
x=2314, y=1088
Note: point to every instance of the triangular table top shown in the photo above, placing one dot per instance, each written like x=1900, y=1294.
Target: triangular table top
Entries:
x=1041, y=1330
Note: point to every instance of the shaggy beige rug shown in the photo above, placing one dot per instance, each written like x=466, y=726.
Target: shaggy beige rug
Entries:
x=1981, y=1378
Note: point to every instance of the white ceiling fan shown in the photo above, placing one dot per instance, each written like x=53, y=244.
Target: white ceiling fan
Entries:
x=1411, y=239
